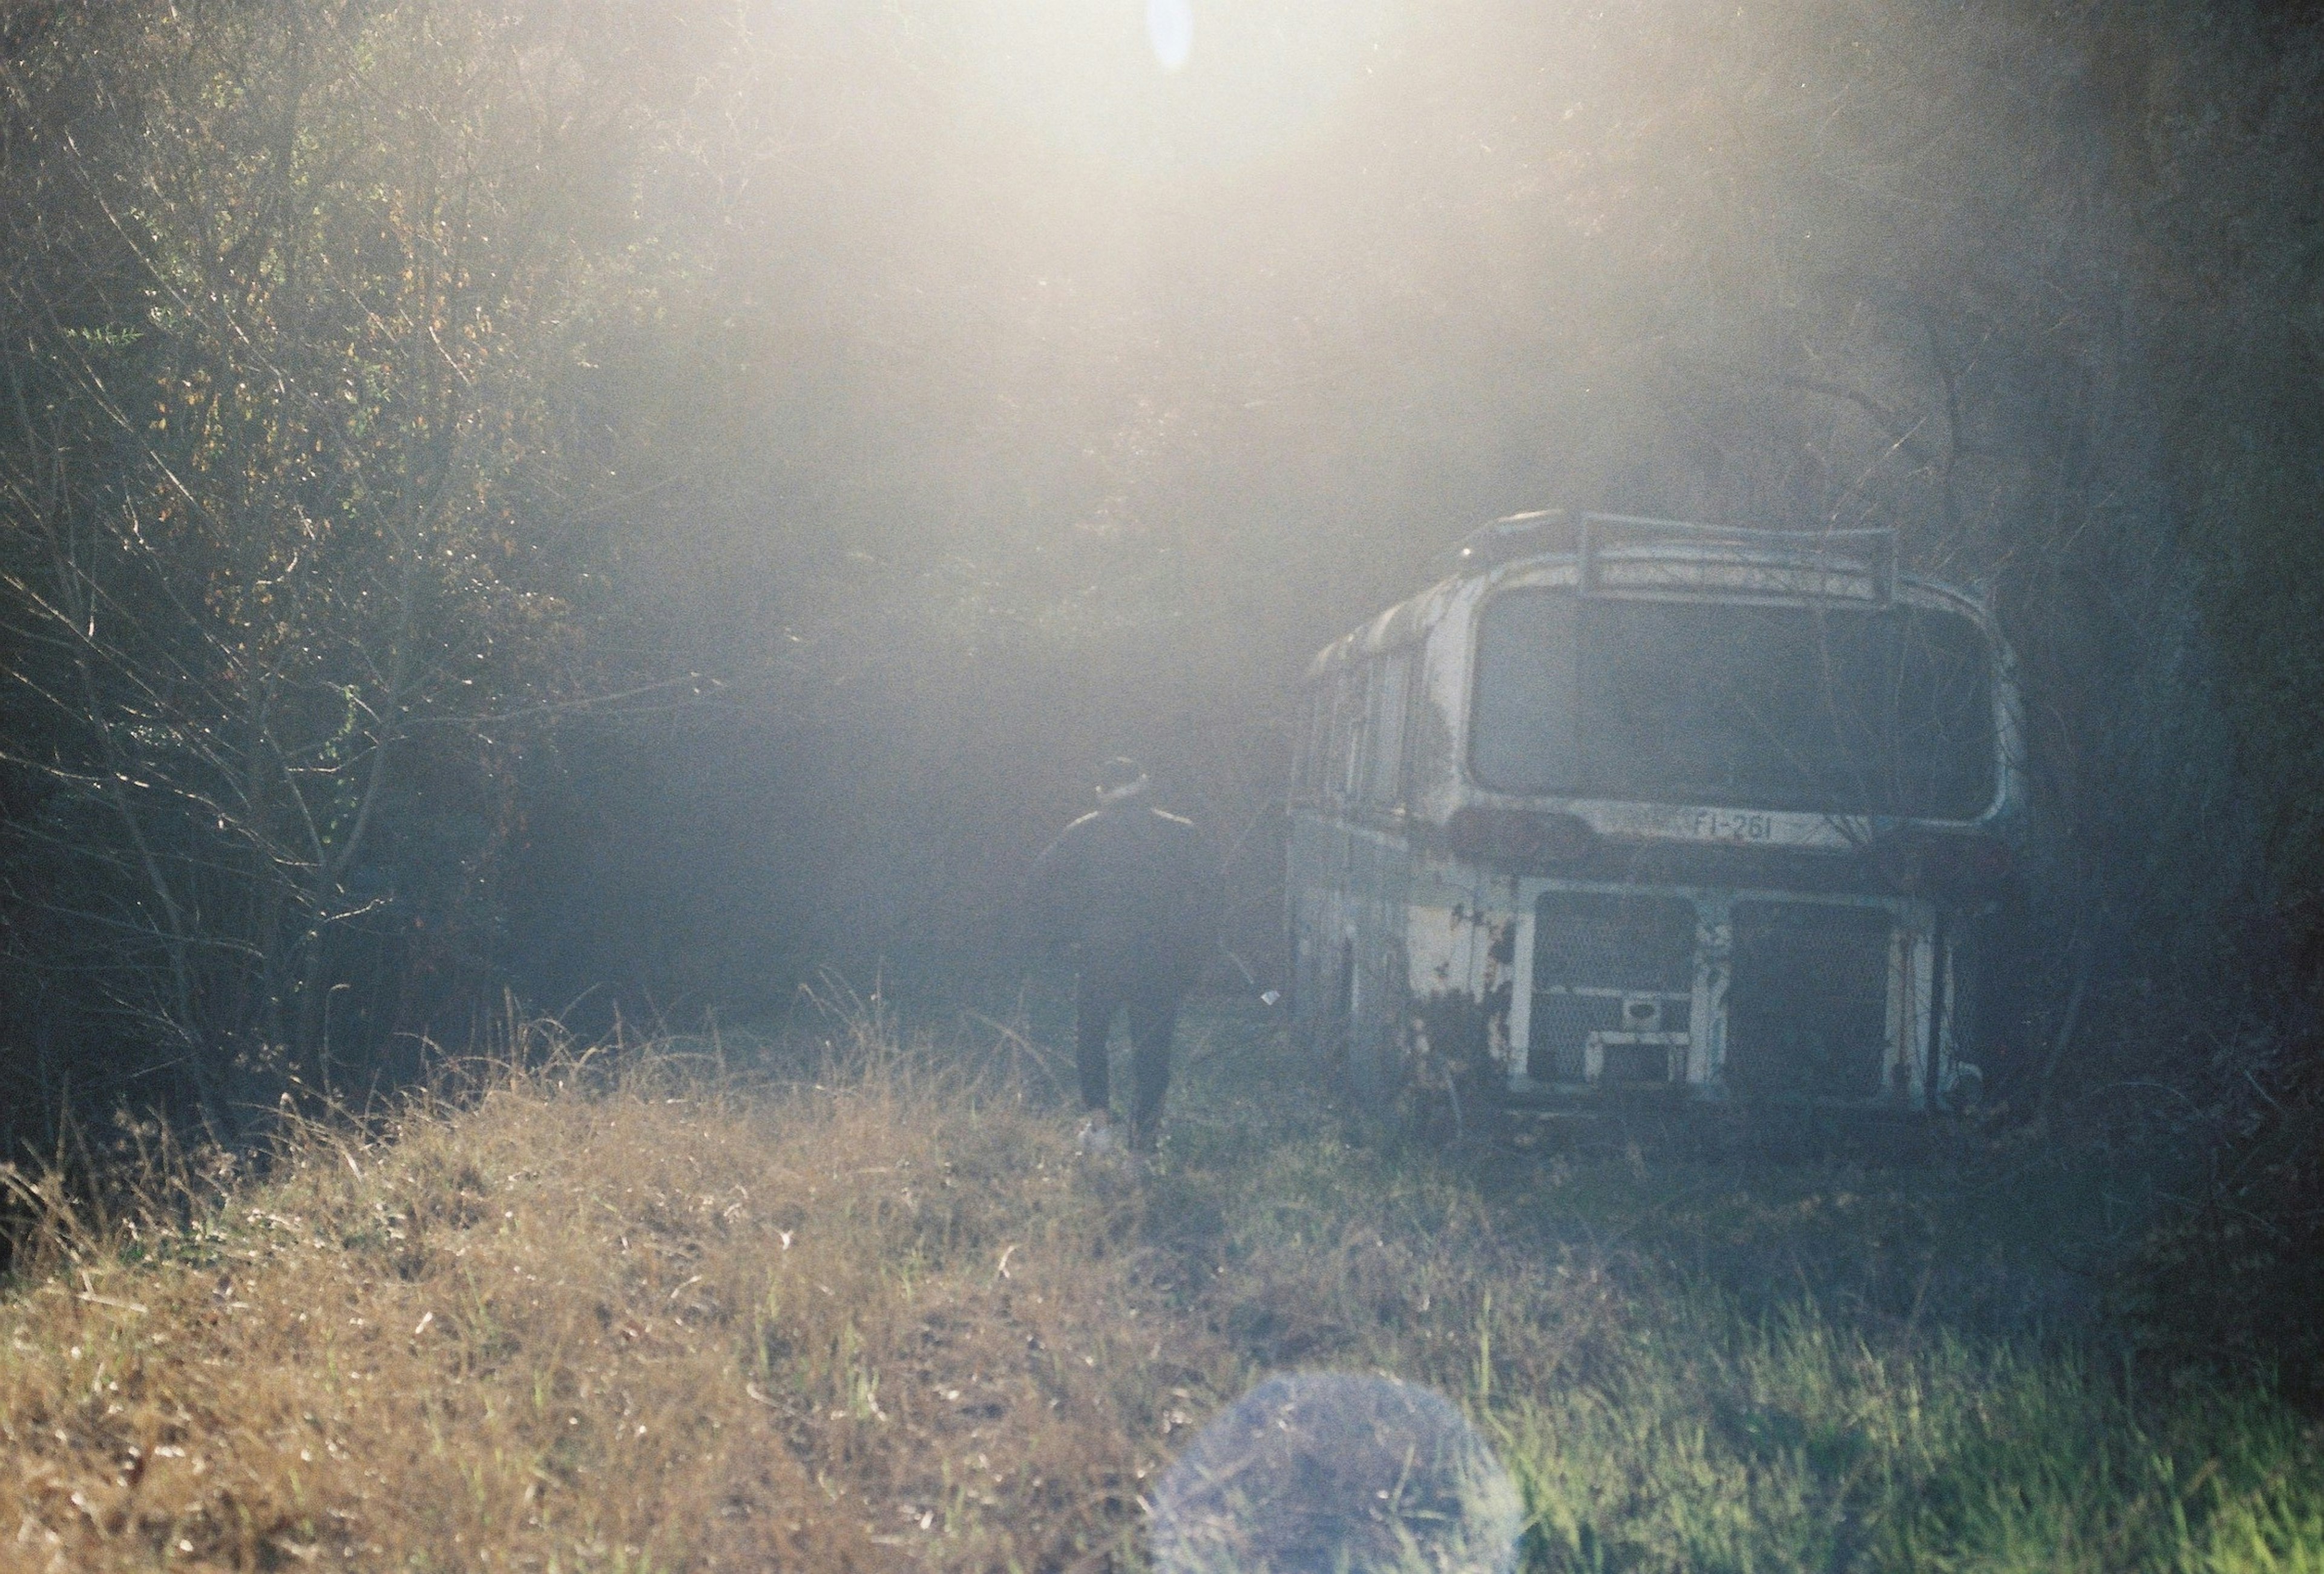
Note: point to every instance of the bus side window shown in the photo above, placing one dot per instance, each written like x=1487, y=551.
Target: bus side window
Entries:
x=1302, y=747
x=1307, y=738
x=1335, y=734
x=1384, y=768
x=1316, y=770
x=1427, y=742
x=1347, y=730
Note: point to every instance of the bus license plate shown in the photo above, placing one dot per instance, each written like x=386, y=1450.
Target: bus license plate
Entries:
x=1727, y=826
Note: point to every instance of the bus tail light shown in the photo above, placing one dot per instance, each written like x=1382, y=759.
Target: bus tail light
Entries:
x=1519, y=839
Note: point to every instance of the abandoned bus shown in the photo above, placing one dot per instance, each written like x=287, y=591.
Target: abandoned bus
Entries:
x=1628, y=809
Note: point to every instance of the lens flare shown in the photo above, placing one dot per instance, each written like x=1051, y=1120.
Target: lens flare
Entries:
x=1337, y=1470
x=1170, y=24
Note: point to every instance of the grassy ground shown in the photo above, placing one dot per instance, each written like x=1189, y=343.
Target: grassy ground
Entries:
x=679, y=1314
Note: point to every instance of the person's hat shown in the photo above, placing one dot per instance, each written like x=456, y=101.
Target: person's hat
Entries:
x=1121, y=777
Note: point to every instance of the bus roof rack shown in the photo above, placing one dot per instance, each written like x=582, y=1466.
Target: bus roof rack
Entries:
x=1873, y=548
x=1505, y=540
x=1588, y=535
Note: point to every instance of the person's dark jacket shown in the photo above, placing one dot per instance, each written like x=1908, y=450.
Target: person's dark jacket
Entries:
x=1132, y=888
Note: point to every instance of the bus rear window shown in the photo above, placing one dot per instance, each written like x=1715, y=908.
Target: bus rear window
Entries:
x=1734, y=705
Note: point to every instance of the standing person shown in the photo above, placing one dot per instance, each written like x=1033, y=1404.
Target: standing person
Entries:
x=1131, y=890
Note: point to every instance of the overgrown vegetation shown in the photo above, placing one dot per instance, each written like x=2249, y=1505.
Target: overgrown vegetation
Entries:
x=671, y=1310
x=401, y=401
x=290, y=577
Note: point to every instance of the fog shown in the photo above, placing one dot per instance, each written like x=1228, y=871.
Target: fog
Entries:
x=681, y=495
x=1022, y=401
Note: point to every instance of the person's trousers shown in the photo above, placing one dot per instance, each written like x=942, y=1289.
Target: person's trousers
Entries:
x=1153, y=1007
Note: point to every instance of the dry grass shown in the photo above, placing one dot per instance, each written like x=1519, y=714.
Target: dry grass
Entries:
x=681, y=1318
x=664, y=1324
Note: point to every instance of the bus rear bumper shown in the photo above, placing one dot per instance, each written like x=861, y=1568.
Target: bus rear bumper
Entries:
x=1525, y=1097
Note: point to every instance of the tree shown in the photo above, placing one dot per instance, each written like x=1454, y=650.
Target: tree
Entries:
x=283, y=582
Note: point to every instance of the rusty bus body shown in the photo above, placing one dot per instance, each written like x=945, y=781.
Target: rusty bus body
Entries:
x=1626, y=810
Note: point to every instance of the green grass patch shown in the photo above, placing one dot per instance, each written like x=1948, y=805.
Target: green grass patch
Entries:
x=1701, y=1357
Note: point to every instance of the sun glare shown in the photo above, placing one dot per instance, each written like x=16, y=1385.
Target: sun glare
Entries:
x=1168, y=88
x=1170, y=26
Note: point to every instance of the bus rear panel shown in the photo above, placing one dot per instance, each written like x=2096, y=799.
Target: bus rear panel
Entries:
x=1626, y=809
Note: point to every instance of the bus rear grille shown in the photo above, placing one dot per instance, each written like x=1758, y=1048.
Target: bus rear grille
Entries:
x=1807, y=1005
x=1591, y=952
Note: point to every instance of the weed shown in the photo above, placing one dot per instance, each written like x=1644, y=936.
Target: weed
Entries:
x=663, y=1313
